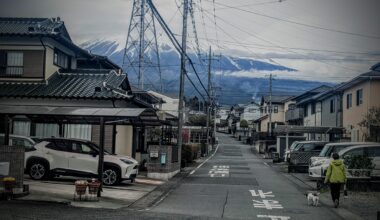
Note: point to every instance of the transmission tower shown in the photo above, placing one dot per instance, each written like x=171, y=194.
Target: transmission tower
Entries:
x=141, y=55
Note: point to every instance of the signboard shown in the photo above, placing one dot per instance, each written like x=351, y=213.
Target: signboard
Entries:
x=154, y=153
x=4, y=168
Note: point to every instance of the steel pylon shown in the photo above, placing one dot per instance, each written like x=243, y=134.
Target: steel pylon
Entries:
x=141, y=53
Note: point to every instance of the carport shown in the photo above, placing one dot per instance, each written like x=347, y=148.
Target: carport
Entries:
x=81, y=115
x=294, y=129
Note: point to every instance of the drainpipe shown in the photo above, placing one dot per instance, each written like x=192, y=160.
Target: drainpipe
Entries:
x=44, y=46
x=369, y=103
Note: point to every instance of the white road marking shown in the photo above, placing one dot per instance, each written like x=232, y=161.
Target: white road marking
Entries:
x=200, y=165
x=265, y=163
x=219, y=171
x=267, y=204
x=273, y=217
x=261, y=194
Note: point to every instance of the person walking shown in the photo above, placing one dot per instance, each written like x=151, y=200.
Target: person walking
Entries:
x=336, y=176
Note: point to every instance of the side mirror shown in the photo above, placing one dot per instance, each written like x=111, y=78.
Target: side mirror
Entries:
x=94, y=154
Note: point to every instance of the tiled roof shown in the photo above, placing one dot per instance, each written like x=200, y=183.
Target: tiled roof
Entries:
x=92, y=85
x=276, y=99
x=33, y=26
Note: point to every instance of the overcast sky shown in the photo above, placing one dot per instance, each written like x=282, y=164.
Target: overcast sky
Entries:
x=326, y=40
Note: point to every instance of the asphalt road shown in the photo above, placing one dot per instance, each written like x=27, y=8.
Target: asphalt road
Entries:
x=233, y=184
x=236, y=184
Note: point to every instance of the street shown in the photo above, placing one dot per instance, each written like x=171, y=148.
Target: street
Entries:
x=232, y=184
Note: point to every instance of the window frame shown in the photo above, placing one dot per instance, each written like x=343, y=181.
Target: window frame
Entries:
x=56, y=59
x=332, y=105
x=359, y=97
x=4, y=68
x=349, y=100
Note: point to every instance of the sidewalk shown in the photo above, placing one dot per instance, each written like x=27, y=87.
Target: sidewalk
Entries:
x=61, y=190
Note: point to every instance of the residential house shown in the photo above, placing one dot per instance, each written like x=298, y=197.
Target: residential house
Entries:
x=359, y=95
x=251, y=112
x=41, y=66
x=311, y=107
x=278, y=112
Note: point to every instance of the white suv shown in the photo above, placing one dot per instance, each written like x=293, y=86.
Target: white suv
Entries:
x=73, y=157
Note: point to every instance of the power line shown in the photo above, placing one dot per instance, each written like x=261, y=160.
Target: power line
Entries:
x=299, y=23
x=290, y=51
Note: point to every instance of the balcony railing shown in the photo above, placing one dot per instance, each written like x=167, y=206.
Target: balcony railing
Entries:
x=294, y=114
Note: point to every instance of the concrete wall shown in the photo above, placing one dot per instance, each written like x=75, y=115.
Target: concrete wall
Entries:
x=313, y=119
x=124, y=140
x=355, y=114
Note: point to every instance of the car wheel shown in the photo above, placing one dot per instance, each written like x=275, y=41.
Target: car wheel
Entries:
x=38, y=170
x=110, y=176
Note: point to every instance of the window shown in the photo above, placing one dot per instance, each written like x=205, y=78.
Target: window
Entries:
x=305, y=111
x=21, y=128
x=15, y=63
x=47, y=130
x=332, y=106
x=79, y=131
x=355, y=152
x=349, y=101
x=275, y=109
x=374, y=151
x=359, y=97
x=313, y=108
x=61, y=59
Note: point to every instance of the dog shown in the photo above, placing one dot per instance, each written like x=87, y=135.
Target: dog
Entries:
x=312, y=198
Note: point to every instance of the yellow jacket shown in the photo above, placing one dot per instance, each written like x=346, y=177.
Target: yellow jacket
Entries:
x=336, y=172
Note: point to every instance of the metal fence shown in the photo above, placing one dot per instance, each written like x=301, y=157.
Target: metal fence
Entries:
x=302, y=158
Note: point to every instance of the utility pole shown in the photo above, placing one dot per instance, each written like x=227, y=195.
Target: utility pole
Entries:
x=182, y=79
x=270, y=104
x=215, y=108
x=209, y=100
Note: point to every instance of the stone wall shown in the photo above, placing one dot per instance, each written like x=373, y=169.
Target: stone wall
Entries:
x=14, y=155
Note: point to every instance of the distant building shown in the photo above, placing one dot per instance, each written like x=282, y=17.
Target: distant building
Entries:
x=251, y=112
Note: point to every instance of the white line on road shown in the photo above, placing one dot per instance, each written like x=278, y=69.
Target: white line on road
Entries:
x=199, y=166
x=265, y=163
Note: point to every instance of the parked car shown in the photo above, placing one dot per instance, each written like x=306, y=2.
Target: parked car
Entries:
x=331, y=148
x=291, y=148
x=73, y=157
x=307, y=149
x=18, y=140
x=372, y=150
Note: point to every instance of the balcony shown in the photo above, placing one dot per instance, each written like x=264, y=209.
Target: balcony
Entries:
x=294, y=114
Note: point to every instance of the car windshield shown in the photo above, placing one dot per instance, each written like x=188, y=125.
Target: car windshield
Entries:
x=298, y=146
x=326, y=151
x=293, y=146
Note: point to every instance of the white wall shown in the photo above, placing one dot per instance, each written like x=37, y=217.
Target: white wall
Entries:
x=124, y=140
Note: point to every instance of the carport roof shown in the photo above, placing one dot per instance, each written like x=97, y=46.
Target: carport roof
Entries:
x=86, y=115
x=307, y=129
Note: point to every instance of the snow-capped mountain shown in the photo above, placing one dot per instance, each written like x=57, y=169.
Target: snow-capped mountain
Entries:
x=233, y=88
